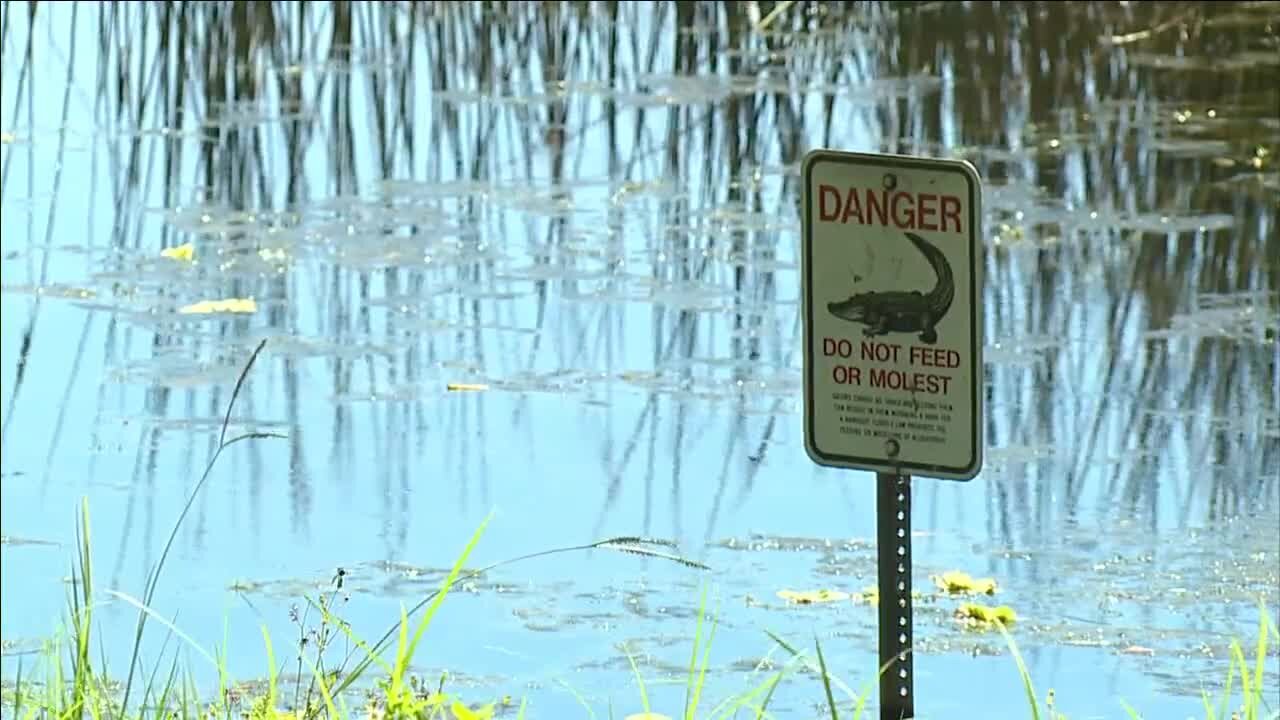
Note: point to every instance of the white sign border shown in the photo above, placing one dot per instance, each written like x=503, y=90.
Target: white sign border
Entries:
x=976, y=317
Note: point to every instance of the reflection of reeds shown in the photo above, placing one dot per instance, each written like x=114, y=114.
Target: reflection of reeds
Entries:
x=273, y=108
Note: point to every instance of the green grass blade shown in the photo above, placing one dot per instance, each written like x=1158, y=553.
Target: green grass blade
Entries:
x=1027, y=685
x=162, y=704
x=271, y=674
x=448, y=584
x=153, y=578
x=844, y=688
x=18, y=691
x=1225, y=704
x=1246, y=681
x=401, y=664
x=167, y=624
x=690, y=699
x=345, y=629
x=224, y=677
x=730, y=706
x=700, y=680
x=782, y=643
x=861, y=705
x=148, y=692
x=581, y=700
x=80, y=600
x=1209, y=714
x=826, y=681
x=319, y=680
x=644, y=695
x=403, y=660
x=435, y=597
x=706, y=654
x=1260, y=656
x=762, y=711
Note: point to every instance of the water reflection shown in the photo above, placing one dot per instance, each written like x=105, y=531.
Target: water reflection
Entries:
x=593, y=215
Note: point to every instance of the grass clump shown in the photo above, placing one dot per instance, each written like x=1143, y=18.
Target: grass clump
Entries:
x=1252, y=705
x=75, y=683
x=395, y=693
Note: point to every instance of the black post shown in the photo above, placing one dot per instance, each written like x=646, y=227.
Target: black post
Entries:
x=893, y=545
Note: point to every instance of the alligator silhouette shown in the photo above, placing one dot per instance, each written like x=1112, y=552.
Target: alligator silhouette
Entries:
x=901, y=310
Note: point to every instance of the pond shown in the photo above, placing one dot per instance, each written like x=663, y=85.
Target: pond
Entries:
x=538, y=263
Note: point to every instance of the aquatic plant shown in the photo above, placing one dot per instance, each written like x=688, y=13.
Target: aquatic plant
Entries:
x=976, y=616
x=958, y=582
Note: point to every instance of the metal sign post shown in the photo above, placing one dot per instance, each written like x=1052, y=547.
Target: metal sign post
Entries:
x=893, y=549
x=893, y=382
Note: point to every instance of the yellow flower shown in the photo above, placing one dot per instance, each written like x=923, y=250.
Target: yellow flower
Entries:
x=810, y=597
x=981, y=617
x=185, y=252
x=955, y=582
x=230, y=305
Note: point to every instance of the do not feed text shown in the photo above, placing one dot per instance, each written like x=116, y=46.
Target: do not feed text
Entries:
x=928, y=380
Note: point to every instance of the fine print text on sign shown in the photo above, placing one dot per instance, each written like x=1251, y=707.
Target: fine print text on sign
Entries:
x=892, y=279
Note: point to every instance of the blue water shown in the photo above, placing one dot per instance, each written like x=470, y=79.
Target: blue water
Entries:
x=1130, y=500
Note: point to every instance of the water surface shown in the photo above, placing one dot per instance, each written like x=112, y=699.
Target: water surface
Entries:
x=589, y=213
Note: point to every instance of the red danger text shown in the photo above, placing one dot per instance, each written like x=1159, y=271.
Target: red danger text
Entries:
x=889, y=208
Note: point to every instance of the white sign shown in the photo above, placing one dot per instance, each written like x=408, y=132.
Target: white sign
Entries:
x=892, y=280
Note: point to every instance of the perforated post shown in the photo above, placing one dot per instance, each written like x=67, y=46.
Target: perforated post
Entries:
x=893, y=543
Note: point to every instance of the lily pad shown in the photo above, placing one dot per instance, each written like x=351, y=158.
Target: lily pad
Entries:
x=230, y=305
x=185, y=252
x=812, y=597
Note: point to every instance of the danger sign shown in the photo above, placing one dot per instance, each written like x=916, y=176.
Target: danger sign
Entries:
x=892, y=280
